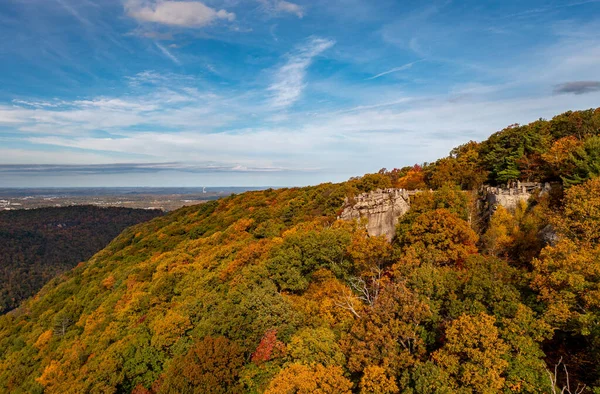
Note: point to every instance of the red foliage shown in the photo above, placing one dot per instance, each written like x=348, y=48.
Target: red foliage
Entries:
x=268, y=344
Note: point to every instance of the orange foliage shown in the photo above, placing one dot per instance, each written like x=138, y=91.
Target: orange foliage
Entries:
x=441, y=238
x=369, y=252
x=559, y=154
x=316, y=379
x=375, y=380
x=567, y=277
x=414, y=180
x=43, y=340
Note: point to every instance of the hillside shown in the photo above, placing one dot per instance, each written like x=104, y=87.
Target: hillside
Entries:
x=36, y=245
x=268, y=292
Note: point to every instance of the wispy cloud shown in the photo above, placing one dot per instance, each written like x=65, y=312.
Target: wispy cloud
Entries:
x=167, y=53
x=549, y=8
x=395, y=69
x=176, y=13
x=74, y=12
x=289, y=79
x=154, y=100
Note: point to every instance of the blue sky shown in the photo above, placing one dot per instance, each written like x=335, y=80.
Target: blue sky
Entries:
x=274, y=92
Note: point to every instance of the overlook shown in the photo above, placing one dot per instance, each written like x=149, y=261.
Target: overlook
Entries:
x=299, y=197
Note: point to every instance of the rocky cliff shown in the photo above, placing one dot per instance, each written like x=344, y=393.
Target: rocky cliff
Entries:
x=510, y=196
x=381, y=208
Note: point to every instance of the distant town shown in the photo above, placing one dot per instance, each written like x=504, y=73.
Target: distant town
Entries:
x=166, y=199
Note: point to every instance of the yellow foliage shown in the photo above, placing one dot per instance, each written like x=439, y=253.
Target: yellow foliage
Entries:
x=59, y=377
x=413, y=180
x=580, y=220
x=500, y=233
x=317, y=345
x=369, y=252
x=168, y=329
x=473, y=353
x=567, y=277
x=43, y=340
x=316, y=379
x=243, y=224
x=561, y=150
x=376, y=381
x=109, y=282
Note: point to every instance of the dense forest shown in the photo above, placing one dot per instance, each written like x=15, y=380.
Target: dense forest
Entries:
x=268, y=292
x=36, y=245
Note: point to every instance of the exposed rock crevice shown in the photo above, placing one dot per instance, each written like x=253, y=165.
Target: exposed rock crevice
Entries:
x=381, y=208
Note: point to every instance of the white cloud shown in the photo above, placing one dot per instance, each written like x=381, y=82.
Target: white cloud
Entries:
x=276, y=7
x=289, y=79
x=175, y=13
x=292, y=8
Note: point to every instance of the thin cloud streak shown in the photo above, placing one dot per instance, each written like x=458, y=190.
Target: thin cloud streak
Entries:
x=395, y=69
x=167, y=53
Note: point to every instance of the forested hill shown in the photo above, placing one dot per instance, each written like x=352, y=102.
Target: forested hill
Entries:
x=565, y=149
x=36, y=245
x=267, y=292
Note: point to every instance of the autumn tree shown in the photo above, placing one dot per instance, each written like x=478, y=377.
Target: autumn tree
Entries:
x=375, y=380
x=413, y=180
x=268, y=347
x=558, y=157
x=388, y=335
x=462, y=168
x=315, y=346
x=438, y=237
x=370, y=182
x=567, y=277
x=369, y=253
x=314, y=379
x=473, y=354
x=210, y=366
x=580, y=217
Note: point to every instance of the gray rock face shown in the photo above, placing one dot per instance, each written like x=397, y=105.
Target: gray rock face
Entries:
x=508, y=201
x=381, y=208
x=510, y=196
x=548, y=235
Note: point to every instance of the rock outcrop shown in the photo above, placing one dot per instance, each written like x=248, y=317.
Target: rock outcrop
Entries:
x=381, y=208
x=510, y=196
